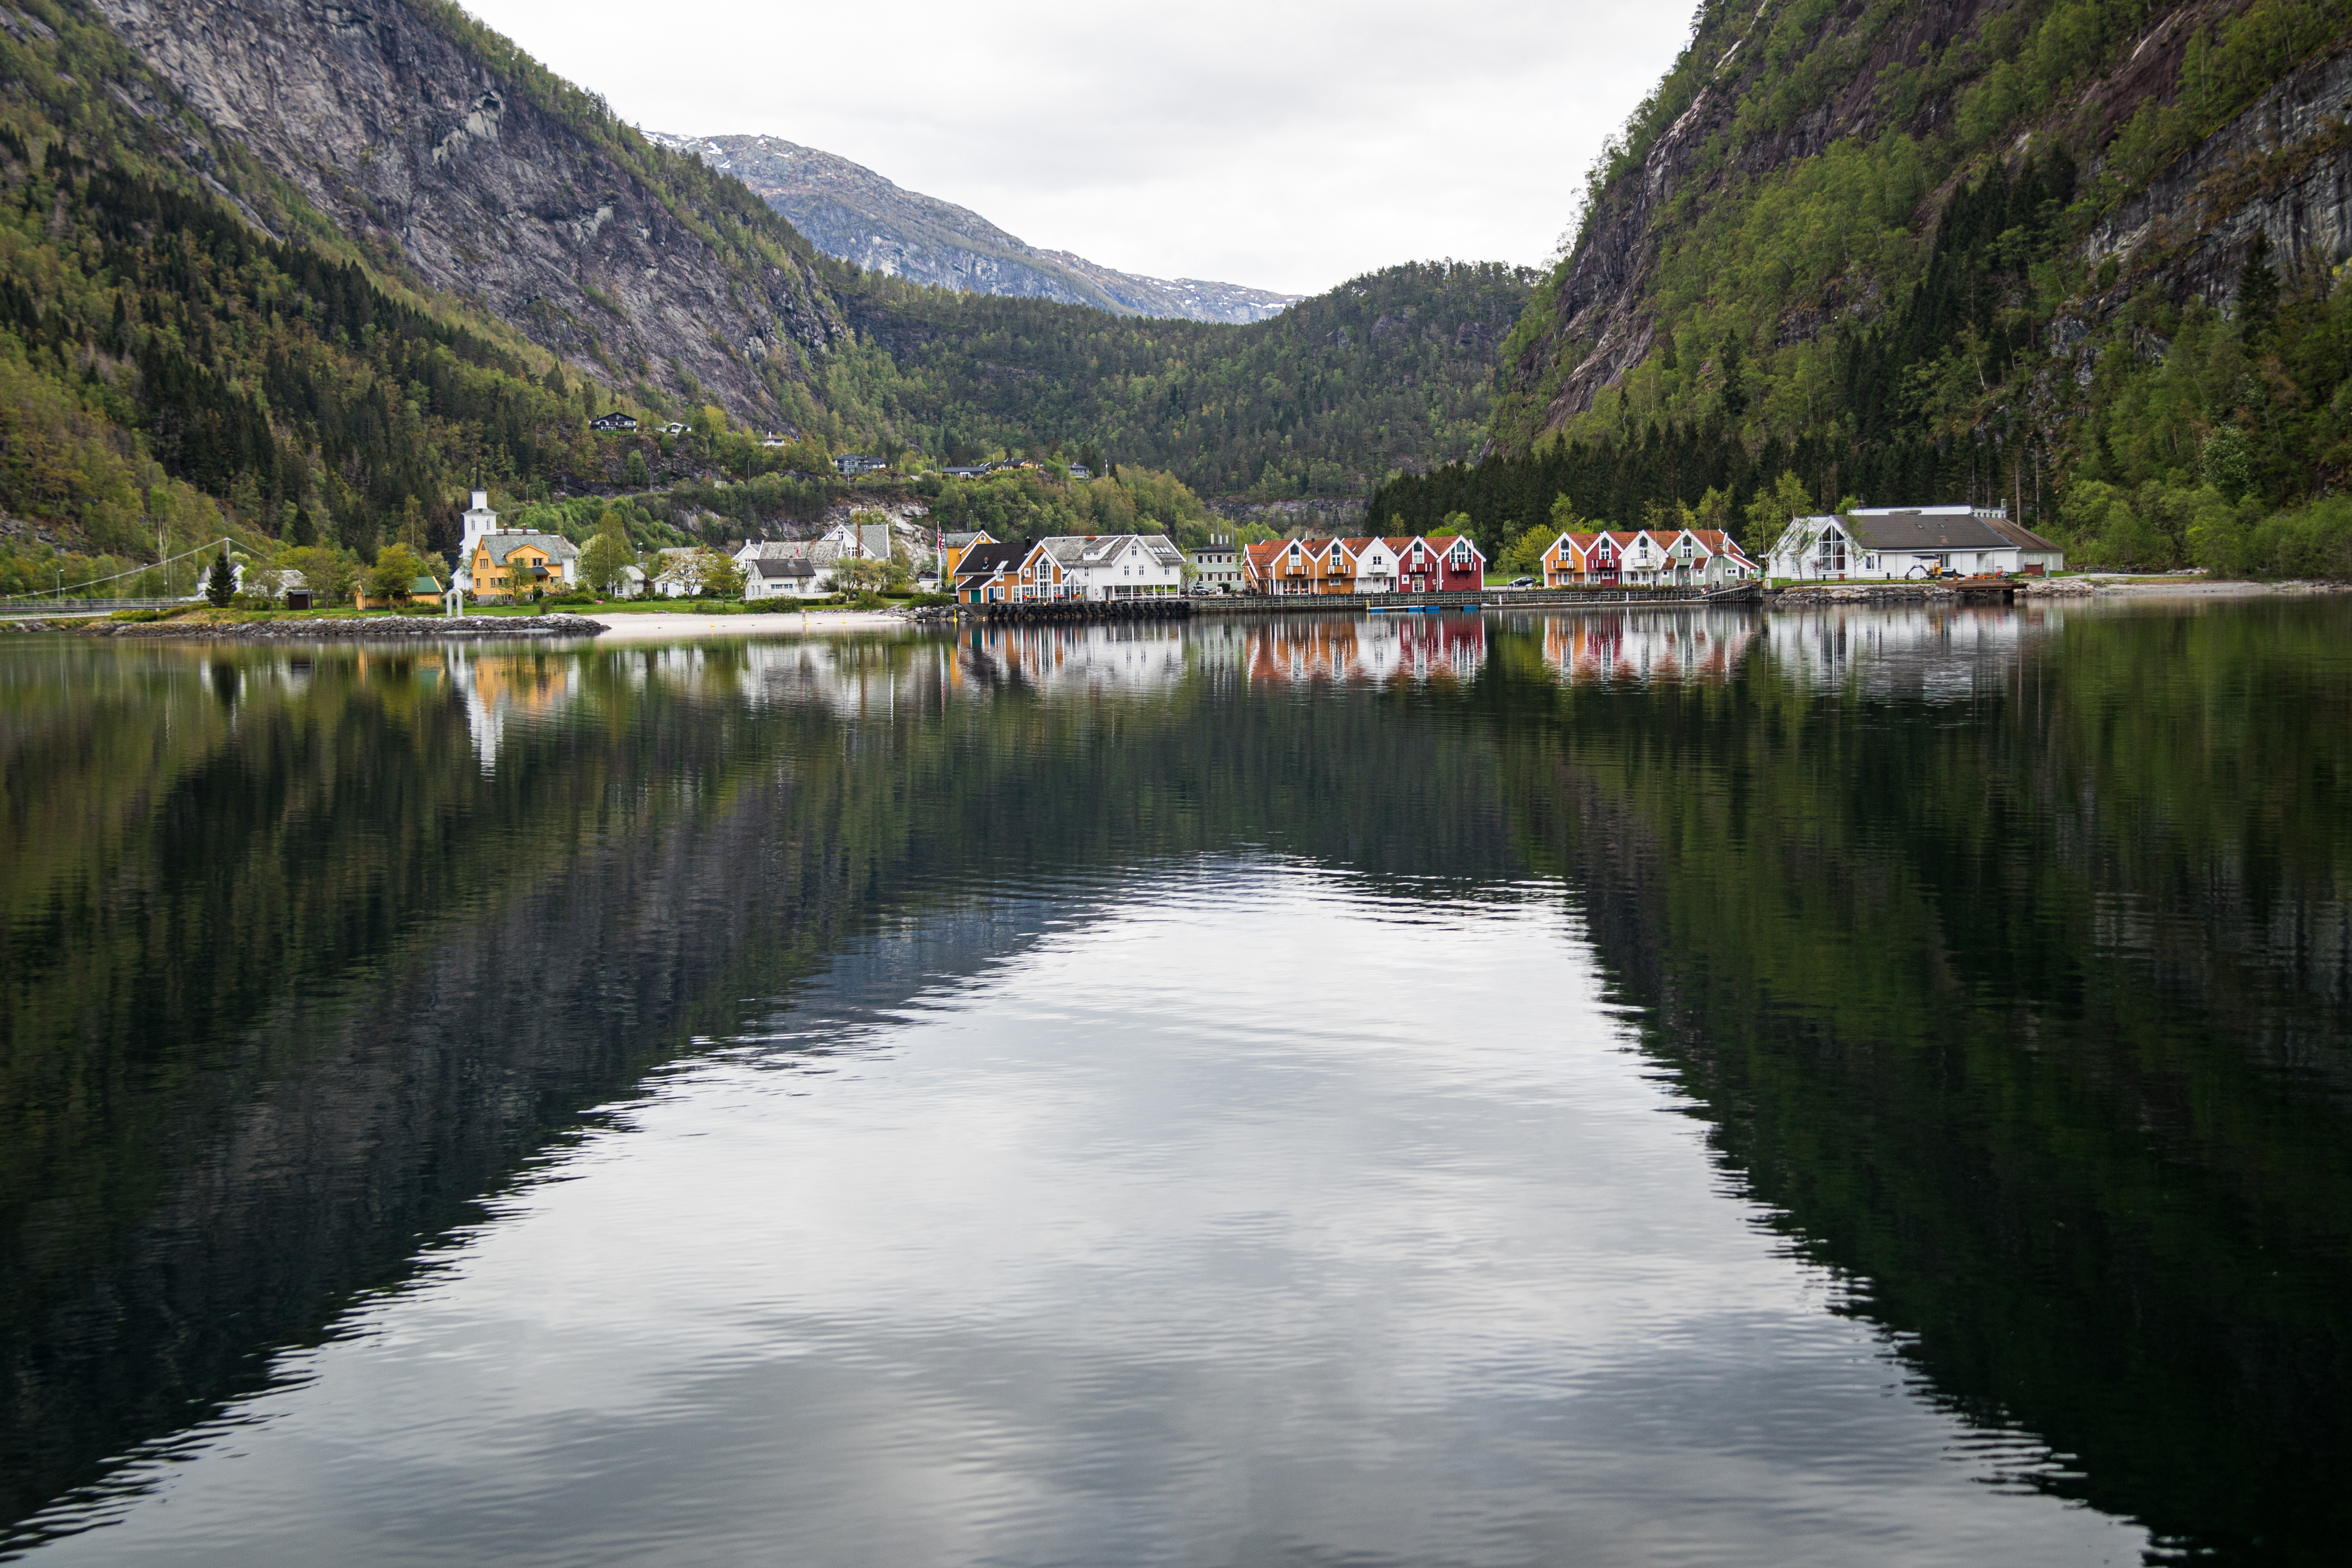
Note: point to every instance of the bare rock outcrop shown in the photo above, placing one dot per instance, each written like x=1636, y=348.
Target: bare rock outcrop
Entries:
x=418, y=144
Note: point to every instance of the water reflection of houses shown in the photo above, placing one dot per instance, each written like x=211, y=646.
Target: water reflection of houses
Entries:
x=1680, y=646
x=1382, y=648
x=1942, y=654
x=1119, y=657
x=501, y=688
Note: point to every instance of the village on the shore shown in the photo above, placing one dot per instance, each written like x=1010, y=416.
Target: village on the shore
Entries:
x=1871, y=545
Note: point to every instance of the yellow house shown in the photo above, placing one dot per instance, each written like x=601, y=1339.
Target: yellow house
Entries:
x=952, y=547
x=421, y=591
x=512, y=563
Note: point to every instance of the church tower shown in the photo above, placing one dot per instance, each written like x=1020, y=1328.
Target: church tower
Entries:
x=480, y=520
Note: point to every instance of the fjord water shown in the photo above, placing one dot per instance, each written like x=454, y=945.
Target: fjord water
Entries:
x=1864, y=1086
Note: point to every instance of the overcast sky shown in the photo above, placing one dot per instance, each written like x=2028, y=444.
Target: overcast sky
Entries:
x=1268, y=142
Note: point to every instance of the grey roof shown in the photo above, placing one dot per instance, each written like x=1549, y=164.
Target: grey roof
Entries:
x=2024, y=538
x=957, y=540
x=986, y=559
x=504, y=543
x=1084, y=550
x=768, y=566
x=1922, y=528
x=874, y=538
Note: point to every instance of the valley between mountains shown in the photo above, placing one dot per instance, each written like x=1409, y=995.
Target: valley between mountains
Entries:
x=297, y=274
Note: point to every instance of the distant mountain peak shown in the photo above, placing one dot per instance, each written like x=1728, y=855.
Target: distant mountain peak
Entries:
x=848, y=211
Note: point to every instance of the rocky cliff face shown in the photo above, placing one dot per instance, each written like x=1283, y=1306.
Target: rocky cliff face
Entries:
x=850, y=212
x=2283, y=166
x=420, y=143
x=2282, y=169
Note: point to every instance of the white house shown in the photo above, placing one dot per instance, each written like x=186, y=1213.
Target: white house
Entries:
x=1899, y=544
x=860, y=541
x=1217, y=566
x=808, y=564
x=1100, y=566
x=1369, y=561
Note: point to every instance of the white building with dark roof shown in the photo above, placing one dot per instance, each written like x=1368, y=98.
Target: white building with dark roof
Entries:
x=1900, y=543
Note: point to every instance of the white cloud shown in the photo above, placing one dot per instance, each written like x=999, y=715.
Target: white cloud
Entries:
x=1278, y=144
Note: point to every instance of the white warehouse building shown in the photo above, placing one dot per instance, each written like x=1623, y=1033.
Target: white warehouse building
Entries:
x=1895, y=543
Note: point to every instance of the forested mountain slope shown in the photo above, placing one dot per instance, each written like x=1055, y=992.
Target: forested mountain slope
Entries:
x=1391, y=370
x=854, y=215
x=2076, y=255
x=304, y=277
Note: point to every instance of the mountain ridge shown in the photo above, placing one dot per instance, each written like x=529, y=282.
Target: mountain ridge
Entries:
x=2074, y=257
x=859, y=216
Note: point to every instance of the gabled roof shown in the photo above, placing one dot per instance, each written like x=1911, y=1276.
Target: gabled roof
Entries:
x=554, y=545
x=1922, y=528
x=775, y=569
x=987, y=560
x=2024, y=538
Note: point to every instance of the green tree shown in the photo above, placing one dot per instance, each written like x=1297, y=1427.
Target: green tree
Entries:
x=633, y=473
x=412, y=527
x=328, y=573
x=605, y=564
x=397, y=569
x=718, y=575
x=1770, y=512
x=1526, y=553
x=220, y=583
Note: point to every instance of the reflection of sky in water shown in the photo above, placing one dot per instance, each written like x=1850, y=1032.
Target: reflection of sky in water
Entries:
x=1242, y=1217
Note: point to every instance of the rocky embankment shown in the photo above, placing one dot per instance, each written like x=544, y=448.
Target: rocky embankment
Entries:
x=1917, y=592
x=383, y=629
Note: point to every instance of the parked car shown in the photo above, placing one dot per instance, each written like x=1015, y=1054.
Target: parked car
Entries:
x=1523, y=581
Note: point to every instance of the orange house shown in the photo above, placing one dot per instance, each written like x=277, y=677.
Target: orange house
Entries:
x=1293, y=567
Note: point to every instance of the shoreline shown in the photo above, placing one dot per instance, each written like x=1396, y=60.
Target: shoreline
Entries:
x=643, y=627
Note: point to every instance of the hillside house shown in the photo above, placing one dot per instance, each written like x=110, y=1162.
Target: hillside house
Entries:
x=849, y=465
x=1902, y=544
x=613, y=421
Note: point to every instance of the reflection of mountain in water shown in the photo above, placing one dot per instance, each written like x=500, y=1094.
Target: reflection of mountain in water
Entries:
x=2024, y=1000
x=2012, y=966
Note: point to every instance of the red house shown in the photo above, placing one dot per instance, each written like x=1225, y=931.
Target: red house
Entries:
x=1437, y=565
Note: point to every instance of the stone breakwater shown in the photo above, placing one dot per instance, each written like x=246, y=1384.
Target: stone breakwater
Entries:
x=386, y=628
x=1919, y=592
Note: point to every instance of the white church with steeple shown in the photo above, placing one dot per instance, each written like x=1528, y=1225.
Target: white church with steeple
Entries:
x=487, y=563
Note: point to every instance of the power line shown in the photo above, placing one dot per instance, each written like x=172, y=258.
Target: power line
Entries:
x=133, y=572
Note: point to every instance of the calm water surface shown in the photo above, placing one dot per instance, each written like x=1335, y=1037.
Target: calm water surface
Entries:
x=1859, y=1088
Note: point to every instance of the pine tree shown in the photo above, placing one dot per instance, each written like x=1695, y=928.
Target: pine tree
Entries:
x=220, y=585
